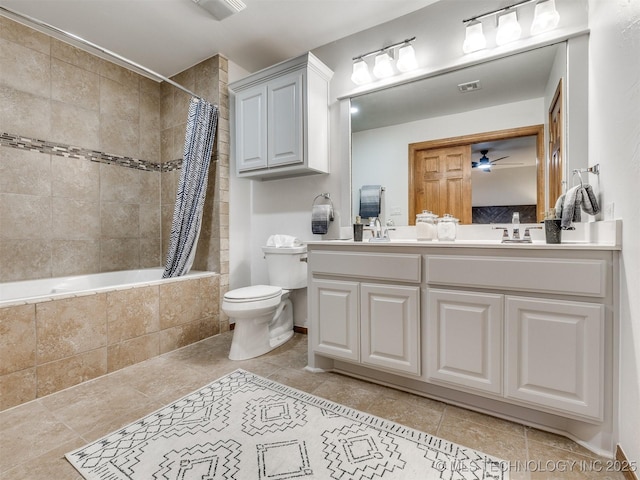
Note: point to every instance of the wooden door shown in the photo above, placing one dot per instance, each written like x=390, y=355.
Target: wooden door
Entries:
x=440, y=181
x=555, y=147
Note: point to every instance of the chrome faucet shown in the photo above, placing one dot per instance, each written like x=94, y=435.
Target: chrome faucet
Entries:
x=378, y=232
x=515, y=231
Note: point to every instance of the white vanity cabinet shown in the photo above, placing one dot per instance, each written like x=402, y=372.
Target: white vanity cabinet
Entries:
x=464, y=339
x=365, y=321
x=275, y=110
x=522, y=332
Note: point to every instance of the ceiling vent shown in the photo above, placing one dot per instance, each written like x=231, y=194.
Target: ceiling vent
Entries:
x=221, y=9
x=469, y=86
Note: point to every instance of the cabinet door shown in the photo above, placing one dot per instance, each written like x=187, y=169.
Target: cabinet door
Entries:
x=390, y=327
x=251, y=129
x=334, y=310
x=464, y=339
x=555, y=354
x=285, y=120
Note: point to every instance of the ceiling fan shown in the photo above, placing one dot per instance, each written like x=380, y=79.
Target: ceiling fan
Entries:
x=484, y=163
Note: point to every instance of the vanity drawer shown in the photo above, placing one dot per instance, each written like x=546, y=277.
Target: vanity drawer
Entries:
x=548, y=275
x=392, y=266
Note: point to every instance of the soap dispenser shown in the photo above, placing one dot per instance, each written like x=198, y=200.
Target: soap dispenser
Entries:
x=357, y=229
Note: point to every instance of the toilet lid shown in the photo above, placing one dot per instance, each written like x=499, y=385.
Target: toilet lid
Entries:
x=254, y=293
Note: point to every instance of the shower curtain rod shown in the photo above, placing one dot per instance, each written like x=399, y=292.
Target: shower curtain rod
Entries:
x=99, y=48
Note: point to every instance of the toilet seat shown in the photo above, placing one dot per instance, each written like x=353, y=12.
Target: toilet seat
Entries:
x=254, y=293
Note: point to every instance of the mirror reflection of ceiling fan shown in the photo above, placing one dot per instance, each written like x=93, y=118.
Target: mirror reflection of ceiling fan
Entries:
x=485, y=164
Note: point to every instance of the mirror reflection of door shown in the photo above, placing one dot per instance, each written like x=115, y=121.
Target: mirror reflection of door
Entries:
x=440, y=181
x=555, y=147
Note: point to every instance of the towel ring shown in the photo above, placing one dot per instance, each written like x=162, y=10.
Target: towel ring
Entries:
x=324, y=197
x=577, y=172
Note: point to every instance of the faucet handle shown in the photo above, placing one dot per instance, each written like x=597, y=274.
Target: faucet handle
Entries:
x=527, y=233
x=505, y=232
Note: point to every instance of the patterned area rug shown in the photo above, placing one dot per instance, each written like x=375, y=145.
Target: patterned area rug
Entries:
x=243, y=426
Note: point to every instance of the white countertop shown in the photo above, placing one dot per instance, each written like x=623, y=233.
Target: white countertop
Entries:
x=604, y=235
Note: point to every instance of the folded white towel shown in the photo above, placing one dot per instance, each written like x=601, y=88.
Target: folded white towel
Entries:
x=280, y=240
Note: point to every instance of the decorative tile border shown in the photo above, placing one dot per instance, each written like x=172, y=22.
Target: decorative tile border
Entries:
x=62, y=150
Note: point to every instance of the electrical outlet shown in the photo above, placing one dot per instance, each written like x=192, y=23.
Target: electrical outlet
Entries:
x=395, y=211
x=607, y=211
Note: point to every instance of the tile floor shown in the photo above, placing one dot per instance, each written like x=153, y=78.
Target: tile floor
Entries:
x=35, y=436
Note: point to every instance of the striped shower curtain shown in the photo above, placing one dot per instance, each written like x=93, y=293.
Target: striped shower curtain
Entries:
x=192, y=187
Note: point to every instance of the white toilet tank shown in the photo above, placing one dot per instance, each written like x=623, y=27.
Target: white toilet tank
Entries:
x=287, y=266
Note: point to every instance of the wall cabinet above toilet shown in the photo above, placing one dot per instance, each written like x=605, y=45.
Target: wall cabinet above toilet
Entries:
x=281, y=120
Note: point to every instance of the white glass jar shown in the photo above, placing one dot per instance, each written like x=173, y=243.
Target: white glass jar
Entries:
x=426, y=226
x=447, y=226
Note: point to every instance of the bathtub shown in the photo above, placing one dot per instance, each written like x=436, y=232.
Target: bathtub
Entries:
x=60, y=287
x=60, y=332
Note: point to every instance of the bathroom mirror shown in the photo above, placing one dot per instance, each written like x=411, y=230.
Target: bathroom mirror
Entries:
x=500, y=95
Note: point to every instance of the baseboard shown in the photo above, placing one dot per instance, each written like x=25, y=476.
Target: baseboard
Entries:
x=296, y=328
x=628, y=469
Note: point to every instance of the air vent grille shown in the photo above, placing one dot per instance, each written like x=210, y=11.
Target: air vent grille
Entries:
x=470, y=86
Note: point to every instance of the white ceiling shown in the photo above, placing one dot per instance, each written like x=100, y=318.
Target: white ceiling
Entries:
x=169, y=36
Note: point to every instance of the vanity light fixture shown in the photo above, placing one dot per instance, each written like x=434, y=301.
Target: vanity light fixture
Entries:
x=361, y=75
x=546, y=18
x=509, y=30
x=383, y=67
x=474, y=38
x=383, y=63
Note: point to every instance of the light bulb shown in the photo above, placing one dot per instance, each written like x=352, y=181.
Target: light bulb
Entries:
x=508, y=28
x=545, y=18
x=474, y=38
x=360, y=75
x=383, y=67
x=406, y=58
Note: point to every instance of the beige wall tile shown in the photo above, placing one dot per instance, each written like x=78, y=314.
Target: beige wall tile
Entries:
x=150, y=253
x=24, y=259
x=61, y=374
x=181, y=335
x=13, y=104
x=25, y=172
x=75, y=219
x=25, y=216
x=70, y=326
x=75, y=126
x=17, y=388
x=180, y=303
x=119, y=220
x=132, y=351
x=132, y=313
x=24, y=69
x=75, y=178
x=119, y=137
x=119, y=254
x=17, y=338
x=118, y=184
x=25, y=36
x=150, y=225
x=210, y=295
x=120, y=100
x=73, y=55
x=74, y=85
x=119, y=74
x=75, y=257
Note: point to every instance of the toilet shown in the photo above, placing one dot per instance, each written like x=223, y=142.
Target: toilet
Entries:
x=263, y=314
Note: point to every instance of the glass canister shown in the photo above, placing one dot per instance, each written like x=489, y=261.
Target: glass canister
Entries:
x=447, y=226
x=426, y=226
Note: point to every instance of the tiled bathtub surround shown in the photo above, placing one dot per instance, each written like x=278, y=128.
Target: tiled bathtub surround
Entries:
x=61, y=215
x=51, y=345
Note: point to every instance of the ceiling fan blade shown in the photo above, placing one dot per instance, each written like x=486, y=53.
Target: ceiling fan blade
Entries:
x=498, y=159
